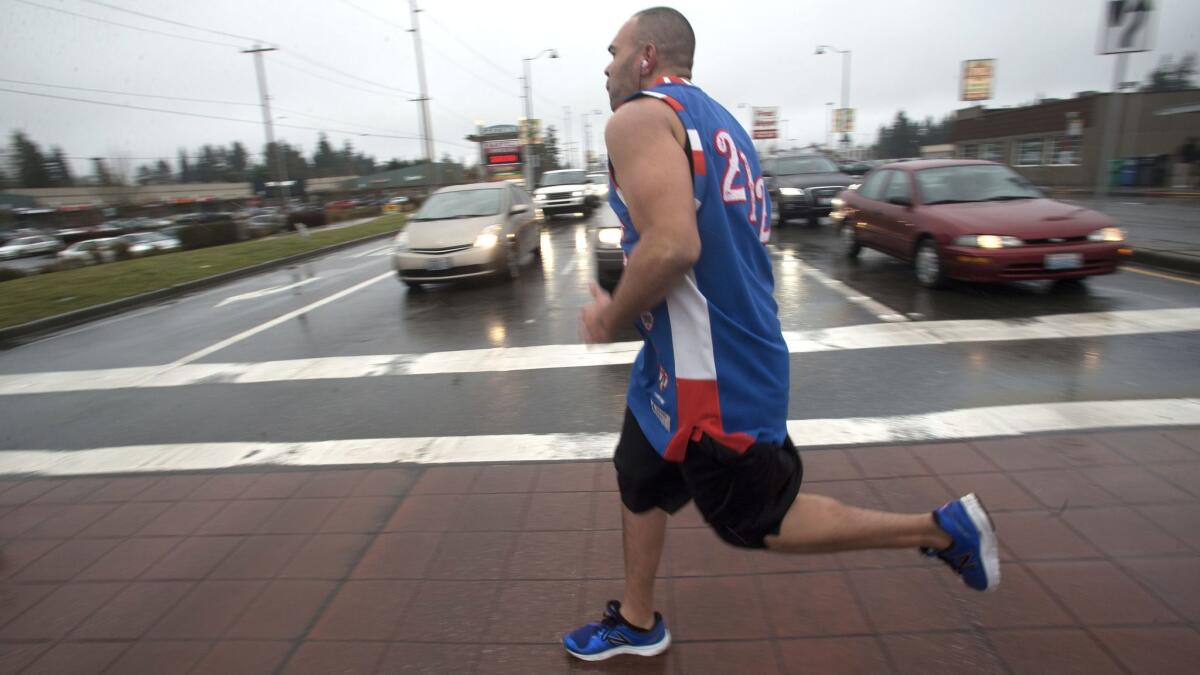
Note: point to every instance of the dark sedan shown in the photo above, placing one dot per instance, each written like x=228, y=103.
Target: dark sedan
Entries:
x=607, y=255
x=975, y=221
x=803, y=186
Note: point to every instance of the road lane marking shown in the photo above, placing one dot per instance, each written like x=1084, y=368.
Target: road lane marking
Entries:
x=880, y=310
x=502, y=359
x=1160, y=275
x=373, y=251
x=267, y=325
x=986, y=422
x=265, y=292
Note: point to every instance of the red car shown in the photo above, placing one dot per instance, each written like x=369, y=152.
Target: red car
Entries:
x=975, y=221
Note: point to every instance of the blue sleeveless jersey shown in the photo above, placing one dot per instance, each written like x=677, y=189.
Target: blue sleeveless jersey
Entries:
x=714, y=360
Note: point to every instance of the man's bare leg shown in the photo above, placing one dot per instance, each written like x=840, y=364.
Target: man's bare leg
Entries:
x=819, y=524
x=644, y=536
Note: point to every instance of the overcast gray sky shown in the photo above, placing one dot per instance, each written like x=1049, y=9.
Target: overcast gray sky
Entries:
x=906, y=54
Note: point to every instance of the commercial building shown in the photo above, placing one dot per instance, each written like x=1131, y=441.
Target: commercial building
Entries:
x=1058, y=142
x=417, y=179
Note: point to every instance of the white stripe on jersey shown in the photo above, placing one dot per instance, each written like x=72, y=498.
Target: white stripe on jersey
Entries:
x=691, y=331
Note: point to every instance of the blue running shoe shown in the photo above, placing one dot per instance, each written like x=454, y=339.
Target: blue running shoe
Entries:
x=973, y=553
x=612, y=635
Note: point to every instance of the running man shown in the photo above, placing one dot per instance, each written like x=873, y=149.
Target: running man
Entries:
x=708, y=397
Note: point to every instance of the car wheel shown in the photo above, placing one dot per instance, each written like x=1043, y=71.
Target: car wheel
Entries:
x=849, y=238
x=928, y=264
x=512, y=263
x=814, y=221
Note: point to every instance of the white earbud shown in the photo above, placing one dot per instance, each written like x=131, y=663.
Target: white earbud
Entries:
x=645, y=64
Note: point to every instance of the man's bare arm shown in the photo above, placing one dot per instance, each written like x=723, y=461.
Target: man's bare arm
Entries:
x=645, y=145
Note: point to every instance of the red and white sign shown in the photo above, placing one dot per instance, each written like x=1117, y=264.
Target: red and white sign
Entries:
x=502, y=147
x=765, y=123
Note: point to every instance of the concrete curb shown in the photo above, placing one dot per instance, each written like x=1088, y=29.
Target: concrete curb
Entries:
x=1175, y=262
x=14, y=334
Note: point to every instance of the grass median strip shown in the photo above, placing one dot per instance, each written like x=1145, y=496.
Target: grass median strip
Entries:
x=43, y=295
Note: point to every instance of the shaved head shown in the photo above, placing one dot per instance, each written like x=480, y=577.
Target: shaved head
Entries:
x=671, y=34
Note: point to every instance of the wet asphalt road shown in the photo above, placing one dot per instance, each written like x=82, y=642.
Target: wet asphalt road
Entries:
x=241, y=323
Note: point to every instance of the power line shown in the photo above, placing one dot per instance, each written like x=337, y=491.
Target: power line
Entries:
x=218, y=117
x=172, y=22
x=125, y=25
x=372, y=15
x=225, y=34
x=470, y=72
x=129, y=93
x=292, y=66
x=471, y=49
x=345, y=74
x=393, y=90
x=193, y=100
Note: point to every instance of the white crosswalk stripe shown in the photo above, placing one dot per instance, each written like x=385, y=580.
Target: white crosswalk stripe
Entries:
x=505, y=359
x=988, y=422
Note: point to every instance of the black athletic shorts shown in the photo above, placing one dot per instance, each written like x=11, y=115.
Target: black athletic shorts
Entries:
x=743, y=497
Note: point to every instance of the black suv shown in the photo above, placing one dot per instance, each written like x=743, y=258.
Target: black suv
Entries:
x=803, y=186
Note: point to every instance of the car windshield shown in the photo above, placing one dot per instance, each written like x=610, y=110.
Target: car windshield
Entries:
x=787, y=166
x=563, y=178
x=598, y=177
x=460, y=204
x=973, y=183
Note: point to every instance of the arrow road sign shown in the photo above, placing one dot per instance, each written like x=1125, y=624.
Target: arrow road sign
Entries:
x=1126, y=26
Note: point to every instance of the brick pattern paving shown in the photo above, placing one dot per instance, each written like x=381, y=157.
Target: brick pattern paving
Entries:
x=481, y=568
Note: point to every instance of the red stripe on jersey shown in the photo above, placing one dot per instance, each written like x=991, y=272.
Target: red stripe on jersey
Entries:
x=698, y=408
x=675, y=105
x=698, y=163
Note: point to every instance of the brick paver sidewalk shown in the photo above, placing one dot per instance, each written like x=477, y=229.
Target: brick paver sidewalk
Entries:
x=462, y=569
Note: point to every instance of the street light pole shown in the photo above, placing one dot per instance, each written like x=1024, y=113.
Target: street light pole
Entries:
x=530, y=158
x=845, y=81
x=265, y=99
x=587, y=138
x=828, y=124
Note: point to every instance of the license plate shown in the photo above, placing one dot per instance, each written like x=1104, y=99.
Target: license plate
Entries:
x=437, y=264
x=1064, y=261
x=824, y=201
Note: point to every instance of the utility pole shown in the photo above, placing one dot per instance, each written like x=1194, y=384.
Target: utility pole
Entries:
x=265, y=99
x=426, y=128
x=1112, y=125
x=568, y=151
x=527, y=153
x=587, y=140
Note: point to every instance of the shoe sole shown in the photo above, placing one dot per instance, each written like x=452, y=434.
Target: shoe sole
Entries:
x=647, y=650
x=987, y=539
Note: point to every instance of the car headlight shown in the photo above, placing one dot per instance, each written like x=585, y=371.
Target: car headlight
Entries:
x=791, y=192
x=488, y=238
x=989, y=241
x=577, y=193
x=401, y=240
x=539, y=197
x=609, y=236
x=1107, y=234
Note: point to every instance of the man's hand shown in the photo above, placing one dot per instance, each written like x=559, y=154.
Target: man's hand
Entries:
x=593, y=328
